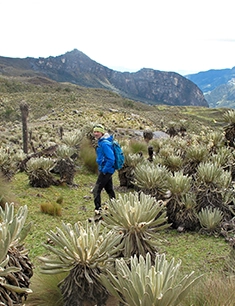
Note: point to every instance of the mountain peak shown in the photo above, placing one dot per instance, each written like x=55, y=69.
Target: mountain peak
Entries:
x=146, y=85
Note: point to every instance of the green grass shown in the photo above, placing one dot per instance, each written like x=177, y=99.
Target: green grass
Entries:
x=53, y=105
x=77, y=206
x=199, y=253
x=203, y=254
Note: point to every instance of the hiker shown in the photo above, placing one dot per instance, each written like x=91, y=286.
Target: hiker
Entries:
x=105, y=159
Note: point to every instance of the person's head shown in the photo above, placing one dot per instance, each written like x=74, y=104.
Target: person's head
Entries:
x=98, y=131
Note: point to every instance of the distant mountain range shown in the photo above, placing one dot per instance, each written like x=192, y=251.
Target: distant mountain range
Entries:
x=213, y=88
x=218, y=86
x=147, y=85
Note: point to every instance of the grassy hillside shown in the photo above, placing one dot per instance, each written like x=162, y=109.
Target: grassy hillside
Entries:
x=53, y=106
x=73, y=105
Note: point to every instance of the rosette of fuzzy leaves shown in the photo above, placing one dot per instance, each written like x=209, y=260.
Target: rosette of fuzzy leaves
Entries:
x=126, y=174
x=85, y=252
x=195, y=154
x=181, y=207
x=229, y=118
x=15, y=267
x=144, y=284
x=210, y=219
x=151, y=179
x=213, y=188
x=39, y=172
x=139, y=217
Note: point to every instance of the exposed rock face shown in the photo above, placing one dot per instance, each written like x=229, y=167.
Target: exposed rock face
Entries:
x=223, y=95
x=158, y=87
x=147, y=85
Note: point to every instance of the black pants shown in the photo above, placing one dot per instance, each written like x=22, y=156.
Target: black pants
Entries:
x=103, y=181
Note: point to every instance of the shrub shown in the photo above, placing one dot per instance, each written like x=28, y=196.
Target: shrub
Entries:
x=212, y=290
x=52, y=209
x=137, y=147
x=88, y=156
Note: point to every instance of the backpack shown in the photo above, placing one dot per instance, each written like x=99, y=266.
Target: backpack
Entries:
x=119, y=155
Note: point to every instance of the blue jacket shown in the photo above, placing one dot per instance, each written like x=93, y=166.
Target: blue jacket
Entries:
x=104, y=154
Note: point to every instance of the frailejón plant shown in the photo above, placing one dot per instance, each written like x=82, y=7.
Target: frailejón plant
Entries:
x=15, y=268
x=210, y=219
x=144, y=284
x=151, y=179
x=139, y=217
x=84, y=252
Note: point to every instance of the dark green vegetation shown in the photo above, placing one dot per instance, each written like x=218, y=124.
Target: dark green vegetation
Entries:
x=56, y=112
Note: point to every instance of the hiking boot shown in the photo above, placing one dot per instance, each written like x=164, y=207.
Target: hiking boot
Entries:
x=97, y=216
x=97, y=212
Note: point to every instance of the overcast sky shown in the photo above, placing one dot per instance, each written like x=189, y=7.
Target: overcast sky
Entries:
x=185, y=36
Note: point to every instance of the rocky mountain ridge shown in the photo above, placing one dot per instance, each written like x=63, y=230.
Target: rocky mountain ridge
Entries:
x=146, y=85
x=218, y=86
x=211, y=79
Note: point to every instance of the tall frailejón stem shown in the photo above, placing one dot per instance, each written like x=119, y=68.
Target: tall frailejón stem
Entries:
x=24, y=114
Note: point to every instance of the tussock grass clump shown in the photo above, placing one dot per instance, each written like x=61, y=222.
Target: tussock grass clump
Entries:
x=88, y=156
x=212, y=290
x=137, y=147
x=52, y=209
x=6, y=194
x=45, y=290
x=60, y=200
